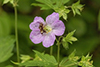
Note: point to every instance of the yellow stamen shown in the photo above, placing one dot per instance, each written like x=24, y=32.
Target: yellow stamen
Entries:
x=47, y=29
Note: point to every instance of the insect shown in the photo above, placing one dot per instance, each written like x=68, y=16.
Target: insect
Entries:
x=41, y=27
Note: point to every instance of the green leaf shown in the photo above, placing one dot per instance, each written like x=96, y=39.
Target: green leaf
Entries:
x=5, y=25
x=65, y=44
x=33, y=63
x=85, y=61
x=99, y=20
x=73, y=39
x=65, y=1
x=6, y=47
x=41, y=59
x=74, y=11
x=72, y=54
x=70, y=34
x=46, y=58
x=51, y=4
x=60, y=3
x=6, y=1
x=56, y=5
x=25, y=58
x=46, y=2
x=77, y=11
x=76, y=8
x=69, y=38
x=43, y=7
x=62, y=12
x=16, y=63
x=70, y=61
x=65, y=16
x=11, y=1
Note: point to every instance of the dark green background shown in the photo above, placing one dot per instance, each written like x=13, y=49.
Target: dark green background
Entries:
x=86, y=27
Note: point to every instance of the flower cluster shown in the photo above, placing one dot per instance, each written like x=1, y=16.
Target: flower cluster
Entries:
x=45, y=31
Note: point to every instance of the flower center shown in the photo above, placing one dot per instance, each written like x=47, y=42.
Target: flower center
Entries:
x=44, y=28
x=47, y=29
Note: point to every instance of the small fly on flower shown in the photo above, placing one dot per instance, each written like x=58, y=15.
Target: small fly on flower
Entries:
x=41, y=27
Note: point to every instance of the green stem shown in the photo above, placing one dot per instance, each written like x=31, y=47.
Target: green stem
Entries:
x=51, y=50
x=16, y=34
x=58, y=53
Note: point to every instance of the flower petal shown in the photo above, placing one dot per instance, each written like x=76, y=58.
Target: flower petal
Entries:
x=36, y=22
x=51, y=18
x=34, y=26
x=36, y=37
x=58, y=28
x=49, y=40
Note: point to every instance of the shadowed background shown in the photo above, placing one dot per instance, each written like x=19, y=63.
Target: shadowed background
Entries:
x=86, y=26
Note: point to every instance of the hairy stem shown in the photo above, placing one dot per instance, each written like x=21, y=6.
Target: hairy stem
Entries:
x=16, y=33
x=51, y=50
x=58, y=53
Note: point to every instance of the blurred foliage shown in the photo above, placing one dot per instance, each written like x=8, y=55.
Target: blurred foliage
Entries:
x=6, y=47
x=5, y=27
x=47, y=60
x=85, y=61
x=59, y=7
x=6, y=1
x=70, y=61
x=99, y=20
x=76, y=7
x=86, y=27
x=41, y=59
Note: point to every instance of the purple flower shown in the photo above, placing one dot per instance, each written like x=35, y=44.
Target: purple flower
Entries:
x=45, y=31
